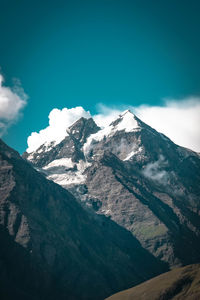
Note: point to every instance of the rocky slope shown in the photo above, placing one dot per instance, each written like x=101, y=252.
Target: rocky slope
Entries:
x=51, y=248
x=179, y=284
x=136, y=176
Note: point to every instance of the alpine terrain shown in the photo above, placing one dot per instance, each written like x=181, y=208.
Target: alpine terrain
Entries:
x=135, y=176
x=51, y=248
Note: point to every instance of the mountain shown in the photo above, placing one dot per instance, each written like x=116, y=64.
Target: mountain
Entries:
x=134, y=175
x=52, y=248
x=180, y=283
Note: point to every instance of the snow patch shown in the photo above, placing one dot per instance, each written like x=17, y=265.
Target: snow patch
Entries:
x=57, y=172
x=126, y=122
x=67, y=179
x=66, y=162
x=106, y=212
x=132, y=153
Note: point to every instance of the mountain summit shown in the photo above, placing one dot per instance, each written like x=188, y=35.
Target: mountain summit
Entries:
x=136, y=176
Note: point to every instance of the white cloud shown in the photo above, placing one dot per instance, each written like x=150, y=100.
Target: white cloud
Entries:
x=105, y=115
x=179, y=120
x=59, y=121
x=154, y=170
x=12, y=101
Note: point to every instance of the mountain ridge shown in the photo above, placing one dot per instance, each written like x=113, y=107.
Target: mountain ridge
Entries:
x=52, y=247
x=141, y=180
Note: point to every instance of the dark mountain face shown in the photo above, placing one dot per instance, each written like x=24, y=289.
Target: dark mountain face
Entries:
x=51, y=248
x=137, y=177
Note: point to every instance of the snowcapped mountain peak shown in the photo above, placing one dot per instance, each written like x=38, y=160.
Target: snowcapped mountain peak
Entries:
x=82, y=128
x=127, y=111
x=126, y=121
x=130, y=172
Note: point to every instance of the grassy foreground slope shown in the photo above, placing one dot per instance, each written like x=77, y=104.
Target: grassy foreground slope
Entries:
x=178, y=284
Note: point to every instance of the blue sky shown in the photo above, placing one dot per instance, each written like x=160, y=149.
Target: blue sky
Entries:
x=81, y=53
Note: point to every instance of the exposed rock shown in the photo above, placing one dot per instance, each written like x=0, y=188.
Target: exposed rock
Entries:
x=51, y=248
x=140, y=179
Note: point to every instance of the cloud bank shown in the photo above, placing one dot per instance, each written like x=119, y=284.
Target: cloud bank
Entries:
x=59, y=121
x=179, y=120
x=12, y=101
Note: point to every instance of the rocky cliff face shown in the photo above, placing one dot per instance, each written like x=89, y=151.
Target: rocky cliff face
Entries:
x=51, y=248
x=136, y=176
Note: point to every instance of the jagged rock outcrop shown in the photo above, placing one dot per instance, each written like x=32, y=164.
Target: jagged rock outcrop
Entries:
x=69, y=147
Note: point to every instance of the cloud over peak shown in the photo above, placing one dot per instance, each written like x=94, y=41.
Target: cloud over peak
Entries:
x=179, y=120
x=59, y=121
x=12, y=101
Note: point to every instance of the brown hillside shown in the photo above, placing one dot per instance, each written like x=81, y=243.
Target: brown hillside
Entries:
x=178, y=284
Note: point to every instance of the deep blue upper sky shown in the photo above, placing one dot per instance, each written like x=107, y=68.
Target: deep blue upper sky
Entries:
x=69, y=53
